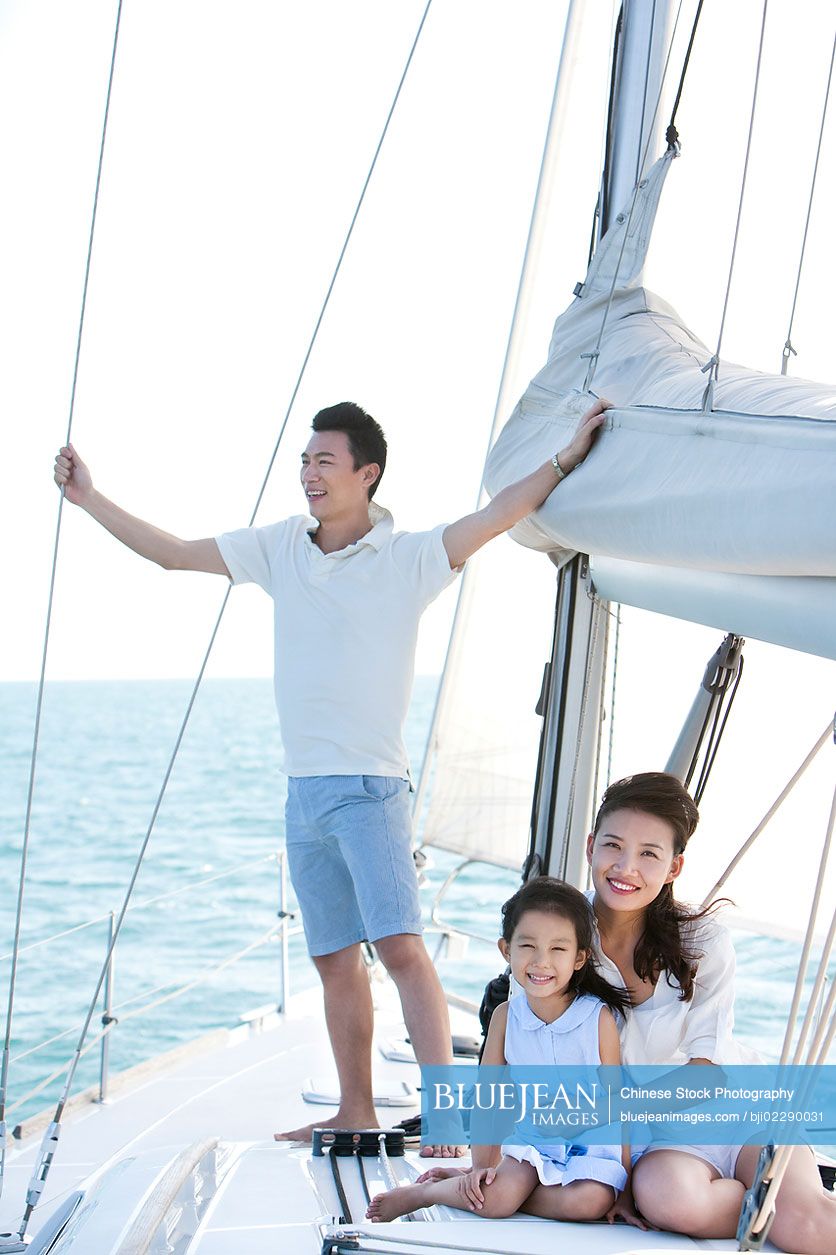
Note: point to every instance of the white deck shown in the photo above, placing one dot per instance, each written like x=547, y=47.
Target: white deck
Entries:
x=239, y=1087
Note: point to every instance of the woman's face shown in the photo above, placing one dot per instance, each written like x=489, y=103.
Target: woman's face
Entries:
x=632, y=857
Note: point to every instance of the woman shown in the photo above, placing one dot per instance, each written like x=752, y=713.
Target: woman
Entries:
x=679, y=967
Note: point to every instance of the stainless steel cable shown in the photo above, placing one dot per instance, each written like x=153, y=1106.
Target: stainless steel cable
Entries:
x=713, y=364
x=24, y=854
x=170, y=996
x=788, y=349
x=146, y=902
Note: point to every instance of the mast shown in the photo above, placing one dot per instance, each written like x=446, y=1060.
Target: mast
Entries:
x=574, y=683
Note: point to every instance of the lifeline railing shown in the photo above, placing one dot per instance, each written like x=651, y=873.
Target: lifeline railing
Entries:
x=282, y=931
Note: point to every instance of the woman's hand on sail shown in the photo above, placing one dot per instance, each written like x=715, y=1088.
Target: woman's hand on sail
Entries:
x=584, y=437
x=72, y=475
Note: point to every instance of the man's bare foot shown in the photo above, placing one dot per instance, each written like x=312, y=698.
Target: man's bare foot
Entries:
x=339, y=1121
x=442, y=1152
x=395, y=1203
x=441, y=1172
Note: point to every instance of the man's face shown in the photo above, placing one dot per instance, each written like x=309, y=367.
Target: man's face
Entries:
x=331, y=484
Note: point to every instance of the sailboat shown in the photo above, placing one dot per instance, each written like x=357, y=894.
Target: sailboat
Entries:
x=178, y=1162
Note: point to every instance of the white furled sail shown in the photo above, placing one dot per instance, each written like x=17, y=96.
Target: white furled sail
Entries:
x=487, y=734
x=744, y=489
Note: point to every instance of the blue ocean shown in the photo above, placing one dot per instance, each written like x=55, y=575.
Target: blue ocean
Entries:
x=104, y=748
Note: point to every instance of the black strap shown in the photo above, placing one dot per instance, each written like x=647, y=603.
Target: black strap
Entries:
x=672, y=134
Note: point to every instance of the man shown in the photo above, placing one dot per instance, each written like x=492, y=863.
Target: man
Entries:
x=348, y=594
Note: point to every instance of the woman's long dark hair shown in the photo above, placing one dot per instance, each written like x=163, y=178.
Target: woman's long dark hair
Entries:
x=544, y=893
x=665, y=945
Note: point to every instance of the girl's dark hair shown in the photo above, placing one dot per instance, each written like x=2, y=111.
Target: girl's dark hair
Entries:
x=664, y=944
x=544, y=893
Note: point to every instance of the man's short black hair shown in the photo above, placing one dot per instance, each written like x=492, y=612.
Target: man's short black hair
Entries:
x=365, y=437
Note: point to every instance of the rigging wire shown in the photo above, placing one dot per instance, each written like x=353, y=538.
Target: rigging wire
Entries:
x=24, y=853
x=146, y=902
x=713, y=363
x=50, y=1138
x=203, y=975
x=639, y=160
x=788, y=349
x=776, y=805
x=805, y=954
x=613, y=693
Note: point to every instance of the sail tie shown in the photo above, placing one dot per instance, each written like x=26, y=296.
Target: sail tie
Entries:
x=788, y=348
x=47, y=1151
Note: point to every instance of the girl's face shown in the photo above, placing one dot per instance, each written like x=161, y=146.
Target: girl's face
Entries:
x=543, y=953
x=632, y=857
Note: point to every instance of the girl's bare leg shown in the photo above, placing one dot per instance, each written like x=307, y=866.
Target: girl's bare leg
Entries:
x=805, y=1213
x=512, y=1184
x=579, y=1200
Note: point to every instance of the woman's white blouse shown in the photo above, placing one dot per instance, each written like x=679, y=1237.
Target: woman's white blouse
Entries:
x=665, y=1029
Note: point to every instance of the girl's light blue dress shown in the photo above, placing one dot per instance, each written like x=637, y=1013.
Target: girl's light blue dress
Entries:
x=570, y=1040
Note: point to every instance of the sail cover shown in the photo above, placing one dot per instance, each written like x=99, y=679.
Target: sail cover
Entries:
x=745, y=490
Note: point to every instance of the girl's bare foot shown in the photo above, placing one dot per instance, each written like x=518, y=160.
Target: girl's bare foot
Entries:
x=395, y=1203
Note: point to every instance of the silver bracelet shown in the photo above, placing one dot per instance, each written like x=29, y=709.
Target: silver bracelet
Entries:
x=558, y=469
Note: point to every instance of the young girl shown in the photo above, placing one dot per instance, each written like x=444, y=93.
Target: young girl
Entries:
x=565, y=1017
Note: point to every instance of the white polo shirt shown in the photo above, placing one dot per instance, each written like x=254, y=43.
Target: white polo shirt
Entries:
x=346, y=626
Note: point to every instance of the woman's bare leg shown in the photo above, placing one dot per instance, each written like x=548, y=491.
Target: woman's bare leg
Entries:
x=579, y=1200
x=678, y=1191
x=805, y=1213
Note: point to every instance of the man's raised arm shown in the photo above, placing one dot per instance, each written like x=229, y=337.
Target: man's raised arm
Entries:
x=148, y=541
x=463, y=538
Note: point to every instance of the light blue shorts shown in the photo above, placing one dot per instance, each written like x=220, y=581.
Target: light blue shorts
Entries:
x=349, y=853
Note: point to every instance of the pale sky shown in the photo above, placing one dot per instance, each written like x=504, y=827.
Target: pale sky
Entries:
x=239, y=139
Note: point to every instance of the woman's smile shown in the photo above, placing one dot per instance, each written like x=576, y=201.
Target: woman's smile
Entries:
x=621, y=886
